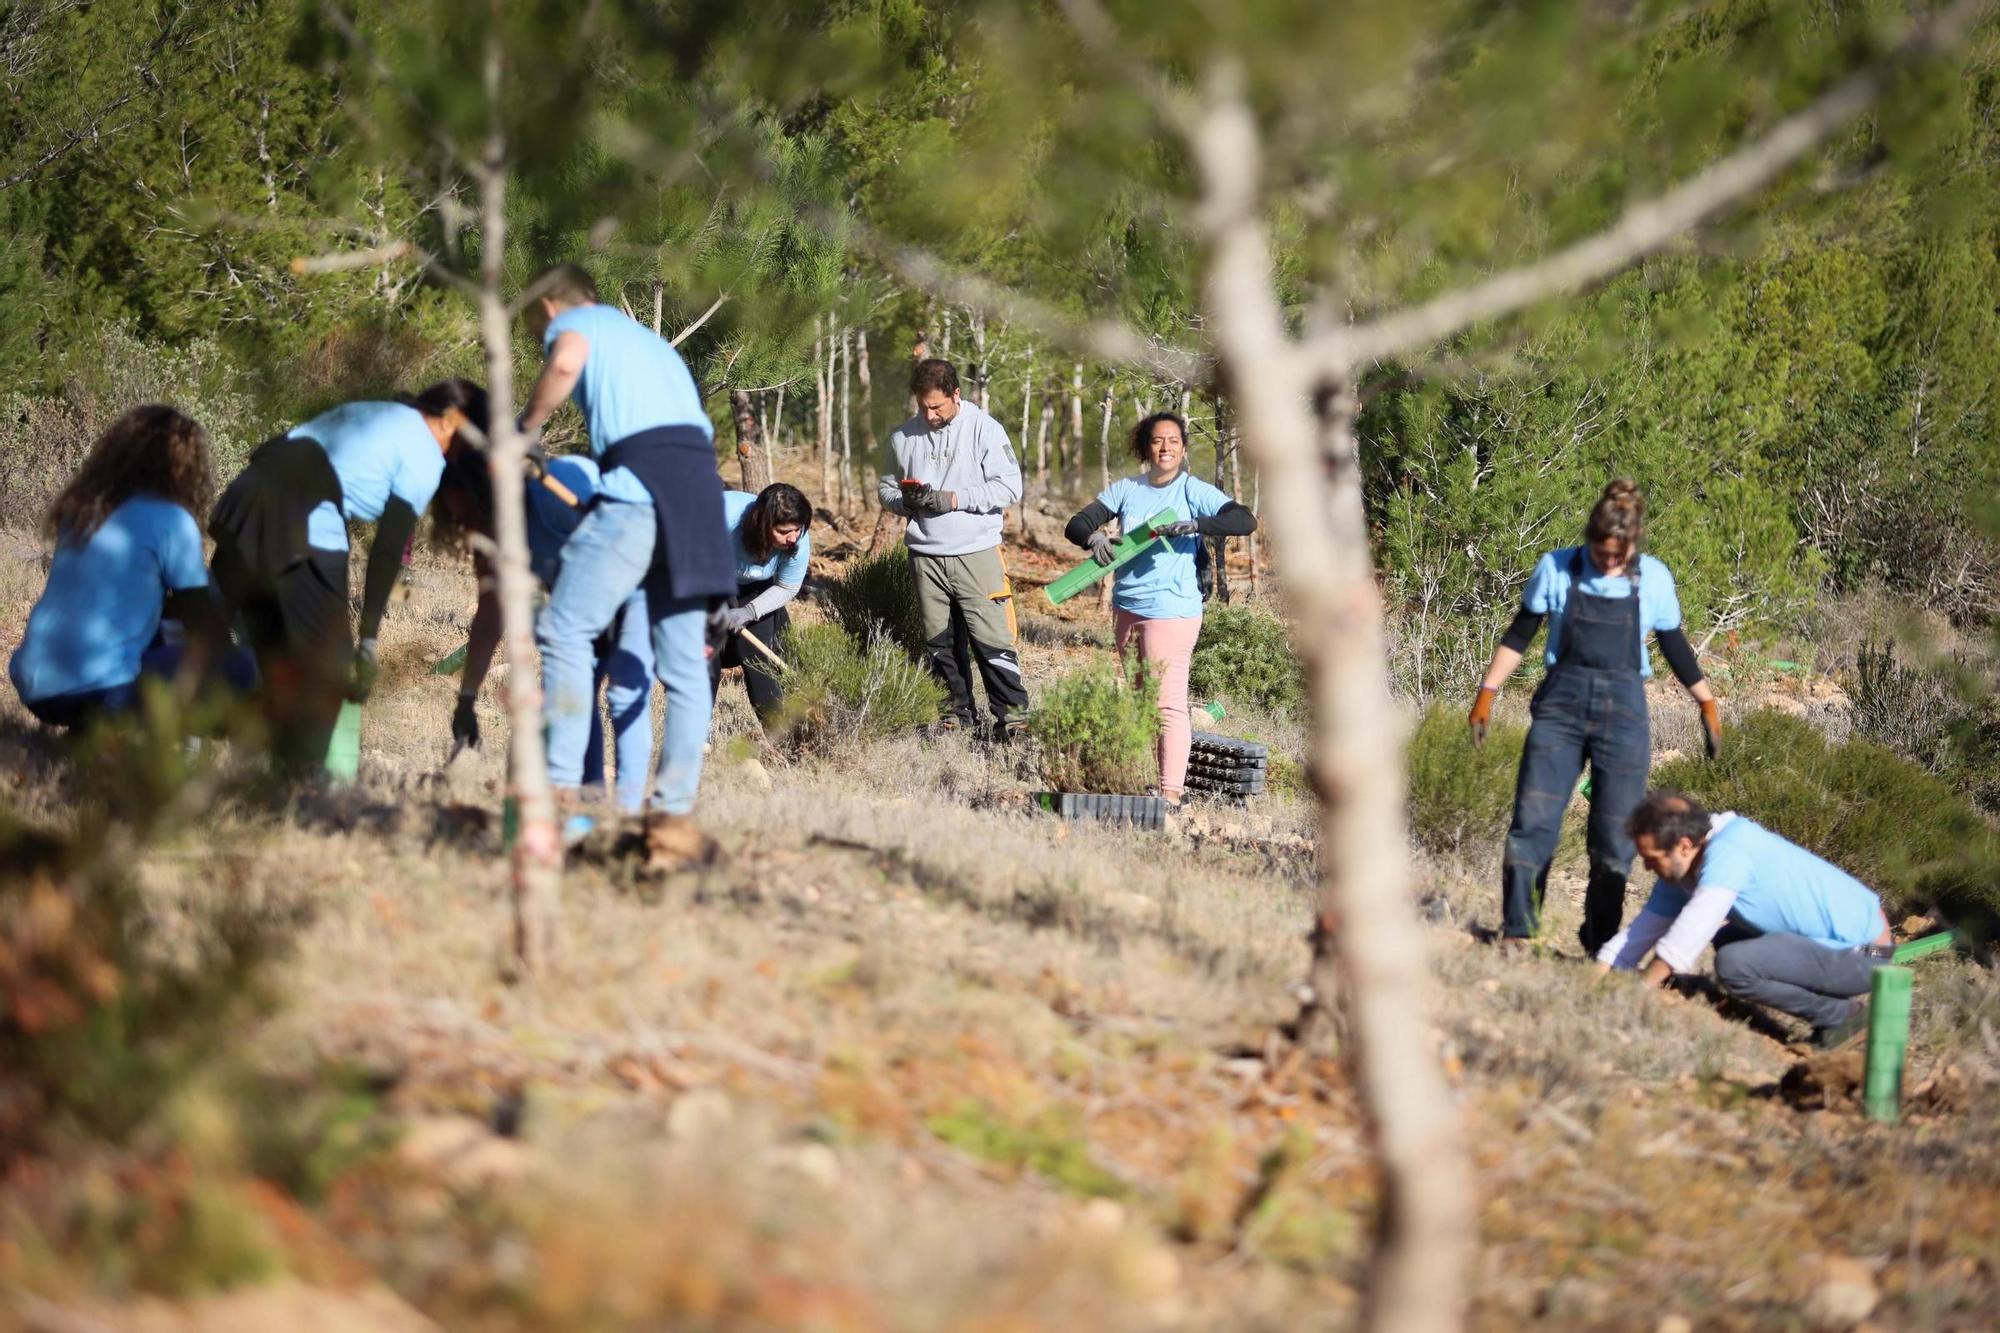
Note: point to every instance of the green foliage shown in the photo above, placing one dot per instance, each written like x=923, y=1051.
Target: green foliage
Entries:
x=1460, y=794
x=1903, y=833
x=1096, y=732
x=1246, y=656
x=1049, y=1144
x=1933, y=714
x=878, y=596
x=841, y=689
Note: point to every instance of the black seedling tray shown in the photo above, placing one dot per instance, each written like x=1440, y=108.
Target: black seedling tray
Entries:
x=1216, y=768
x=1146, y=812
x=1207, y=742
x=1242, y=786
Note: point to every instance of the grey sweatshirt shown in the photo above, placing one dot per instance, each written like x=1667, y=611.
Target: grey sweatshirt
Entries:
x=969, y=456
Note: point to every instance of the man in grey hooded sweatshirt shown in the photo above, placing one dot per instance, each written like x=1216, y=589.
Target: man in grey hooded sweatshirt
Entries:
x=955, y=474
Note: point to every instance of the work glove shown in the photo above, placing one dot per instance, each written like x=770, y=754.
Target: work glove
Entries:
x=1185, y=527
x=937, y=502
x=1100, y=544
x=1482, y=713
x=738, y=617
x=916, y=494
x=465, y=722
x=361, y=683
x=1711, y=727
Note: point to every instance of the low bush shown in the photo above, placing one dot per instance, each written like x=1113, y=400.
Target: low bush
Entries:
x=1878, y=816
x=1097, y=733
x=878, y=595
x=1461, y=794
x=1926, y=713
x=1246, y=656
x=842, y=689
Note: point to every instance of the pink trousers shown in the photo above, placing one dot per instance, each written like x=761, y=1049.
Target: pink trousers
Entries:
x=1164, y=646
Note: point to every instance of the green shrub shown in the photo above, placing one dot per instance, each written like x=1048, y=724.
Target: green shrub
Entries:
x=1926, y=713
x=839, y=690
x=1881, y=818
x=1460, y=793
x=1246, y=656
x=879, y=596
x=1097, y=733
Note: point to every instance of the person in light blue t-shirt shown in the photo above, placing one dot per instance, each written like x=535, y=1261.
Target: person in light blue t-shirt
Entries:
x=1156, y=596
x=127, y=563
x=1601, y=600
x=623, y=654
x=773, y=550
x=1792, y=931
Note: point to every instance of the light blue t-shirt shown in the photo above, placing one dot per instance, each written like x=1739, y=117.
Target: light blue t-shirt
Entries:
x=1780, y=888
x=550, y=520
x=785, y=568
x=101, y=608
x=632, y=380
x=1547, y=594
x=377, y=450
x=1160, y=584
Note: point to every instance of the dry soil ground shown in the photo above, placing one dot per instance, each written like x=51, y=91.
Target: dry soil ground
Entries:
x=912, y=1057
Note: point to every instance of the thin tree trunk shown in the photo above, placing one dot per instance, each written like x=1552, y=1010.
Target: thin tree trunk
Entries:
x=944, y=343
x=535, y=863
x=659, y=302
x=751, y=456
x=1368, y=947
x=870, y=446
x=774, y=439
x=1104, y=435
x=823, y=415
x=1256, y=504
x=1042, y=445
x=1076, y=426
x=977, y=319
x=846, y=421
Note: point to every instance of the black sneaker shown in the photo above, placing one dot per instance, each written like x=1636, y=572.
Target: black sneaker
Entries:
x=1008, y=730
x=1843, y=1032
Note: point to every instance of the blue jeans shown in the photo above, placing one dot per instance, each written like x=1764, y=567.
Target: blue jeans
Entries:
x=603, y=563
x=627, y=664
x=232, y=668
x=1579, y=714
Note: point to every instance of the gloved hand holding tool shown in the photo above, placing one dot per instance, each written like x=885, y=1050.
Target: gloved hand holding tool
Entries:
x=362, y=681
x=1482, y=713
x=737, y=618
x=465, y=723
x=1101, y=547
x=1711, y=727
x=1186, y=527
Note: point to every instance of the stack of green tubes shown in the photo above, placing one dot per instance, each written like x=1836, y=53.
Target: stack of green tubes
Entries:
x=1888, y=1039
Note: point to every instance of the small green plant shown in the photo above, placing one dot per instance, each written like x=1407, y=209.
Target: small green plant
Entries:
x=1049, y=1145
x=1902, y=832
x=1096, y=732
x=1246, y=656
x=878, y=596
x=1461, y=794
x=840, y=689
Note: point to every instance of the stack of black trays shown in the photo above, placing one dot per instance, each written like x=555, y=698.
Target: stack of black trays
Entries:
x=1226, y=769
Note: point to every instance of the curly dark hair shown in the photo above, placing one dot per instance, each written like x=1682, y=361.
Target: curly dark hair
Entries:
x=152, y=450
x=463, y=506
x=1142, y=435
x=778, y=505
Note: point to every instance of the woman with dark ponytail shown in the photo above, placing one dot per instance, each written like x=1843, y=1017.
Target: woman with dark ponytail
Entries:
x=773, y=552
x=1600, y=599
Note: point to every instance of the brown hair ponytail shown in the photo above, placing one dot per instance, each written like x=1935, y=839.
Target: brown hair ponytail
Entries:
x=1620, y=514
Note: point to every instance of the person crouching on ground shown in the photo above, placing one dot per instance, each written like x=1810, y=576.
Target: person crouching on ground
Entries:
x=1155, y=598
x=281, y=548
x=773, y=552
x=656, y=524
x=127, y=561
x=1600, y=599
x=1791, y=931
x=954, y=474
x=623, y=653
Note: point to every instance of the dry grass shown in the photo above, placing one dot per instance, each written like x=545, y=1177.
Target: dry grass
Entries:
x=910, y=1057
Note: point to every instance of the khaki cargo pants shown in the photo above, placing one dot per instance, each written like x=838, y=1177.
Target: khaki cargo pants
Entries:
x=967, y=605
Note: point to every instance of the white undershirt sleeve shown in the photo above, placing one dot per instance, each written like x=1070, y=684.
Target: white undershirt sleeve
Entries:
x=1680, y=948
x=1629, y=947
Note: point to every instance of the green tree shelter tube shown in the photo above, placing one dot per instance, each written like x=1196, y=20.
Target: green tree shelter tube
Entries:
x=1128, y=547
x=1888, y=1039
x=343, y=751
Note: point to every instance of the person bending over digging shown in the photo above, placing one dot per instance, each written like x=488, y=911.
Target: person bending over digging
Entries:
x=623, y=654
x=1155, y=597
x=127, y=561
x=281, y=547
x=773, y=552
x=1600, y=599
x=1791, y=931
x=954, y=474
x=656, y=525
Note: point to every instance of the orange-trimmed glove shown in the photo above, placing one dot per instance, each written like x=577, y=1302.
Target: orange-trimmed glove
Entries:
x=1711, y=727
x=1482, y=713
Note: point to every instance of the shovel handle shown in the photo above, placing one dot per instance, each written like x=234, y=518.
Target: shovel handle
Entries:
x=764, y=648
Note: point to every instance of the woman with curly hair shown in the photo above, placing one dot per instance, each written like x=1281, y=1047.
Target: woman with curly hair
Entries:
x=1156, y=597
x=127, y=559
x=773, y=551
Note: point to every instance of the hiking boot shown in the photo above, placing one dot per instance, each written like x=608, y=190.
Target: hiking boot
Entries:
x=675, y=842
x=1845, y=1031
x=1007, y=730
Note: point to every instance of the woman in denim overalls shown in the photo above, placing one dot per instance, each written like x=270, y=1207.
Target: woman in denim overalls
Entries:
x=1600, y=598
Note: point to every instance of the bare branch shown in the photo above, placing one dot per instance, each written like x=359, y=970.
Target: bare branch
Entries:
x=1647, y=226
x=687, y=332
x=345, y=261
